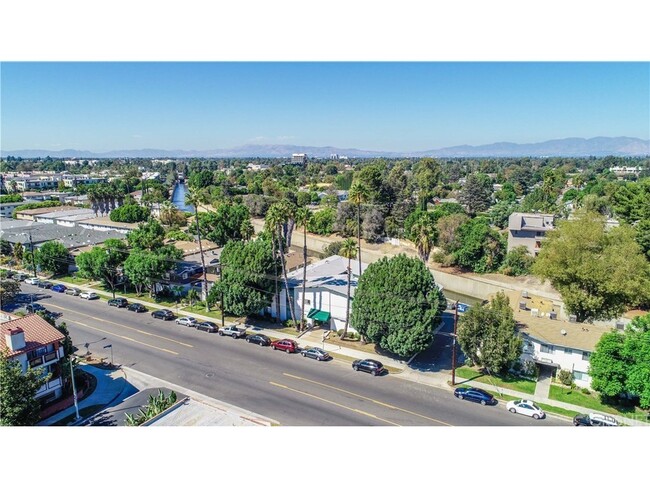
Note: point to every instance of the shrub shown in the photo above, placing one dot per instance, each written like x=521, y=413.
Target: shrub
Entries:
x=565, y=377
x=586, y=391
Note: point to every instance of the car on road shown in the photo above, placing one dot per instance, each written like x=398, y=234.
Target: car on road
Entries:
x=51, y=315
x=89, y=295
x=207, y=326
x=525, y=407
x=315, y=353
x=118, y=302
x=19, y=277
x=260, y=339
x=474, y=395
x=32, y=281
x=187, y=321
x=233, y=331
x=34, y=307
x=45, y=284
x=75, y=292
x=595, y=420
x=286, y=345
x=371, y=366
x=136, y=307
x=59, y=288
x=163, y=314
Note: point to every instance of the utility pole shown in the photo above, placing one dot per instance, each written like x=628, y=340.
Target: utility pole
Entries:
x=223, y=318
x=453, y=347
x=74, y=390
x=31, y=246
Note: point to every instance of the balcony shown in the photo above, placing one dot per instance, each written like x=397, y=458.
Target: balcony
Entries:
x=48, y=386
x=43, y=359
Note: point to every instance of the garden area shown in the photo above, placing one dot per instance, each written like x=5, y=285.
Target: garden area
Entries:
x=517, y=383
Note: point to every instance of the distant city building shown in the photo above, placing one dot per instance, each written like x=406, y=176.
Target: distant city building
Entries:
x=257, y=167
x=299, y=159
x=626, y=170
x=528, y=229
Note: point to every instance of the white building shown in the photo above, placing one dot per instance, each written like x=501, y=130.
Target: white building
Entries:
x=34, y=343
x=325, y=292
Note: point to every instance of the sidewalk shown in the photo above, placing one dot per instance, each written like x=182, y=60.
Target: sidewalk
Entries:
x=435, y=379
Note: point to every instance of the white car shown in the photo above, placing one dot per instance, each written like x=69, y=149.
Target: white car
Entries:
x=188, y=321
x=32, y=281
x=89, y=295
x=525, y=407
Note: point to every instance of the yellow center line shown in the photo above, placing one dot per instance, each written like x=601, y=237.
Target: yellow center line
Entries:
x=355, y=410
x=377, y=402
x=122, y=325
x=125, y=337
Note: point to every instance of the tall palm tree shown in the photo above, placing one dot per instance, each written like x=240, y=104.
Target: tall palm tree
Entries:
x=278, y=215
x=270, y=222
x=359, y=194
x=303, y=216
x=348, y=250
x=424, y=235
x=193, y=197
x=167, y=210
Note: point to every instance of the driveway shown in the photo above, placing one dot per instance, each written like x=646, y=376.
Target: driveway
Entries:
x=438, y=356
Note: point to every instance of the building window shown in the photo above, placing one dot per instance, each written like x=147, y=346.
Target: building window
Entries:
x=546, y=348
x=580, y=376
x=568, y=350
x=585, y=356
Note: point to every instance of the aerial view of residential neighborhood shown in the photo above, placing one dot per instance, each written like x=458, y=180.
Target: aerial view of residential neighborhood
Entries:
x=325, y=244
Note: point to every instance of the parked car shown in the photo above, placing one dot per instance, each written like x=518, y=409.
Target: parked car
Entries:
x=89, y=295
x=59, y=288
x=187, y=321
x=286, y=345
x=260, y=339
x=371, y=366
x=45, y=284
x=525, y=407
x=19, y=277
x=118, y=302
x=315, y=353
x=73, y=291
x=474, y=395
x=136, y=307
x=207, y=326
x=163, y=314
x=32, y=281
x=595, y=419
x=34, y=307
x=233, y=331
x=51, y=315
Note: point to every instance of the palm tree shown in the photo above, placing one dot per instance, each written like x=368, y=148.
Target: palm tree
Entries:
x=424, y=234
x=193, y=197
x=359, y=194
x=276, y=218
x=166, y=212
x=348, y=251
x=303, y=216
x=192, y=296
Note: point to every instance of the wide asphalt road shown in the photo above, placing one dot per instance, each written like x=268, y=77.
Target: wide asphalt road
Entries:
x=285, y=387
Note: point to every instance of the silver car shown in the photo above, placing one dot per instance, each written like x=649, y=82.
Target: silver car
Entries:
x=315, y=353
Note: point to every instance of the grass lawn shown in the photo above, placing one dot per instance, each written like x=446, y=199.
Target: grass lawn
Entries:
x=119, y=292
x=214, y=313
x=592, y=401
x=73, y=280
x=510, y=382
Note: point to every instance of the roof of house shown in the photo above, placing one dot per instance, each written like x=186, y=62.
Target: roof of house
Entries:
x=38, y=333
x=530, y=221
x=193, y=247
x=329, y=273
x=44, y=210
x=106, y=221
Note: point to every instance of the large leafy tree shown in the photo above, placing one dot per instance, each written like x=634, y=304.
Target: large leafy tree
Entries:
x=53, y=257
x=148, y=236
x=130, y=213
x=476, y=194
x=397, y=305
x=103, y=263
x=487, y=334
x=17, y=389
x=599, y=272
x=247, y=281
x=480, y=248
x=229, y=221
x=8, y=290
x=427, y=177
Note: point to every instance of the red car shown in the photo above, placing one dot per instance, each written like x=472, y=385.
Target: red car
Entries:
x=286, y=345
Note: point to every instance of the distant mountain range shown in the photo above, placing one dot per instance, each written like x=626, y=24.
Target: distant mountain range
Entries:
x=574, y=146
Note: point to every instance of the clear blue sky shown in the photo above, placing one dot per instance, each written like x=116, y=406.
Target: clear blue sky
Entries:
x=374, y=106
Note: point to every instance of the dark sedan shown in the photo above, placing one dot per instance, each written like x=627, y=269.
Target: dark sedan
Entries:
x=34, y=307
x=136, y=307
x=260, y=339
x=474, y=395
x=45, y=284
x=118, y=302
x=371, y=366
x=163, y=314
x=207, y=326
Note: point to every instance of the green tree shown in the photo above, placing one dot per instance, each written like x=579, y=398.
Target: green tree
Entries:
x=8, y=290
x=53, y=257
x=229, y=221
x=500, y=213
x=423, y=235
x=448, y=231
x=143, y=268
x=397, y=305
x=247, y=276
x=130, y=213
x=18, y=252
x=358, y=195
x=148, y=236
x=303, y=217
x=348, y=250
x=103, y=263
x=427, y=177
x=481, y=248
x=608, y=366
x=322, y=222
x=5, y=248
x=598, y=272
x=18, y=407
x=637, y=351
x=476, y=194
x=517, y=262
x=487, y=334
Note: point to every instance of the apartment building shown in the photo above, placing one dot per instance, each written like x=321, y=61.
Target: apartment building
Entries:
x=528, y=229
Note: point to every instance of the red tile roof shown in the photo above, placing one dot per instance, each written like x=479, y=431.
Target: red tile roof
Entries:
x=38, y=333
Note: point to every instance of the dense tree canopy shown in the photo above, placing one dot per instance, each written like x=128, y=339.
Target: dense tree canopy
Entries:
x=476, y=194
x=480, y=248
x=18, y=407
x=103, y=263
x=129, y=213
x=397, y=305
x=229, y=221
x=53, y=257
x=487, y=334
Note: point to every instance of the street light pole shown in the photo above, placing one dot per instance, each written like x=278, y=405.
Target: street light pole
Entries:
x=223, y=318
x=74, y=390
x=31, y=247
x=110, y=346
x=453, y=347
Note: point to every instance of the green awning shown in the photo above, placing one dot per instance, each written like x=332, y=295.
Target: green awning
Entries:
x=316, y=314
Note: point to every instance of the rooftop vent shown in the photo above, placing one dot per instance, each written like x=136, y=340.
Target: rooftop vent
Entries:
x=563, y=332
